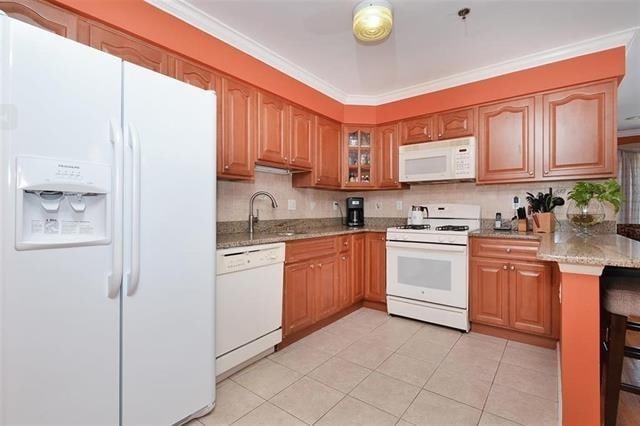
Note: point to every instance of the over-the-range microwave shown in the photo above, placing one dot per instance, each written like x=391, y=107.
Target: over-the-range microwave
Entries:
x=453, y=159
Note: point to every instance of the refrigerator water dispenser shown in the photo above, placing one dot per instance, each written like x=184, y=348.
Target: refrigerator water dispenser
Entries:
x=62, y=203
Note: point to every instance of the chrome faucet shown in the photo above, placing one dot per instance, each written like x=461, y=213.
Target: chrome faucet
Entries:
x=253, y=219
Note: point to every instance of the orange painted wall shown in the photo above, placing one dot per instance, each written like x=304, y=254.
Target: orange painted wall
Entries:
x=145, y=21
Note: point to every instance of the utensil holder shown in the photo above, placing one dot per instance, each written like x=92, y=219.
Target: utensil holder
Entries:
x=544, y=223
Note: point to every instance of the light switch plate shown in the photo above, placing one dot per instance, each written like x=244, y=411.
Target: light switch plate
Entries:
x=292, y=204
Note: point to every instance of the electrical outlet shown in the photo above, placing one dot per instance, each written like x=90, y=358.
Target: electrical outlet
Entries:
x=292, y=204
x=335, y=205
x=378, y=205
x=399, y=205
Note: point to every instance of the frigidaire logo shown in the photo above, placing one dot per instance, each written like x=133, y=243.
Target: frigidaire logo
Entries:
x=68, y=166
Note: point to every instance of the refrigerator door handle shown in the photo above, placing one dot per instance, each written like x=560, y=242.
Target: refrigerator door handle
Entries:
x=115, y=278
x=134, y=275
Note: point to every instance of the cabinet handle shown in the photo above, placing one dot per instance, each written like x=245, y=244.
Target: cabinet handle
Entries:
x=504, y=267
x=512, y=268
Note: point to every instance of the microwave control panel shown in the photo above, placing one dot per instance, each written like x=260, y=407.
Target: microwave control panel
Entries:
x=463, y=159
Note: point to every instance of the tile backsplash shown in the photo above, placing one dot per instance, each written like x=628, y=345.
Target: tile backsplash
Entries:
x=233, y=198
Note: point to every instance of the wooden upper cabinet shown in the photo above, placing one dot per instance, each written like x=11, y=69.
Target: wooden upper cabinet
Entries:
x=489, y=288
x=417, y=130
x=579, y=131
x=506, y=141
x=128, y=48
x=359, y=157
x=196, y=75
x=273, y=130
x=530, y=297
x=43, y=15
x=302, y=138
x=455, y=124
x=375, y=283
x=236, y=144
x=327, y=155
x=387, y=152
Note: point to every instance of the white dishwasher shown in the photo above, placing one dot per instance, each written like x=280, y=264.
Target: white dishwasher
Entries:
x=249, y=284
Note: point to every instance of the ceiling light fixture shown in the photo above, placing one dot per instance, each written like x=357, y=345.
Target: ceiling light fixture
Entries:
x=372, y=20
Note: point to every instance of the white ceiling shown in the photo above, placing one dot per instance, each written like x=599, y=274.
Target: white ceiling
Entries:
x=430, y=48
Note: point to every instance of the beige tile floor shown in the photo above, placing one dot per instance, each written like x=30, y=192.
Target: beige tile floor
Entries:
x=373, y=369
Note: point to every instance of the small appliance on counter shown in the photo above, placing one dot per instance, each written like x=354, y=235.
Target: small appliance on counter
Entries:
x=355, y=211
x=418, y=215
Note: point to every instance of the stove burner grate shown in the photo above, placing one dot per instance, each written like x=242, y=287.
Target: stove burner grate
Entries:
x=458, y=228
x=414, y=227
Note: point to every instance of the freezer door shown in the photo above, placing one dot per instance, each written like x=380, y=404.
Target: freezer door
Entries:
x=168, y=295
x=59, y=329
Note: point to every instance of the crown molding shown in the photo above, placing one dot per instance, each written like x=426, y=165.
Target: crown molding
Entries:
x=628, y=132
x=210, y=25
x=197, y=18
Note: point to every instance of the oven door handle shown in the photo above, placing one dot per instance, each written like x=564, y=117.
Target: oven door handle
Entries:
x=427, y=246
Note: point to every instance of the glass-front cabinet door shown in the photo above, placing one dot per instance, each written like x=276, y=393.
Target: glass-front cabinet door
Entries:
x=359, y=152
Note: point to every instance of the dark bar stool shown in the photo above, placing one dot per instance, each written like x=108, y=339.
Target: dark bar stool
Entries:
x=621, y=301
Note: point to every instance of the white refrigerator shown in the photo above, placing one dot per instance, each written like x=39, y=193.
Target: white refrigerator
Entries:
x=107, y=232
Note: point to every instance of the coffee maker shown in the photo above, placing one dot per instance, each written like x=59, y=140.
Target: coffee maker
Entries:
x=355, y=211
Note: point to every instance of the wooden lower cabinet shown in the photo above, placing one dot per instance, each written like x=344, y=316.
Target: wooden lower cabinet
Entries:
x=530, y=297
x=345, y=280
x=489, y=290
x=327, y=287
x=375, y=289
x=515, y=295
x=358, y=267
x=299, y=291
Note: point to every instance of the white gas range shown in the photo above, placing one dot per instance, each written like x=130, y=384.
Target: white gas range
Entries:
x=427, y=266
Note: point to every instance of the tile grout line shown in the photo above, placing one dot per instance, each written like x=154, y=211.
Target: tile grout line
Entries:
x=484, y=404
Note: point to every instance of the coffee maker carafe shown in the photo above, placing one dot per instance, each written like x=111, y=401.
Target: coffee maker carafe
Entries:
x=355, y=211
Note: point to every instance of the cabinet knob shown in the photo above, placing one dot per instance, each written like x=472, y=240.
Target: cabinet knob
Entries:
x=293, y=160
x=530, y=173
x=286, y=158
x=319, y=265
x=508, y=250
x=546, y=172
x=312, y=266
x=318, y=180
x=226, y=167
x=346, y=243
x=439, y=134
x=504, y=267
x=512, y=268
x=344, y=257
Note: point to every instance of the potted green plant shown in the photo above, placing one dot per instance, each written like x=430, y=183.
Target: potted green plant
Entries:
x=587, y=199
x=541, y=209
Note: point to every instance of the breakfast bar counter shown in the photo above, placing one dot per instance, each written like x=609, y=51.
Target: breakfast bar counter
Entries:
x=581, y=260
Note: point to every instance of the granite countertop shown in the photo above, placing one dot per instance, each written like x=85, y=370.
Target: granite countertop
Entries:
x=243, y=239
x=596, y=250
x=512, y=235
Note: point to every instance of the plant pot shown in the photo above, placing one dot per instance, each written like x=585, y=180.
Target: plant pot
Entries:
x=584, y=217
x=544, y=223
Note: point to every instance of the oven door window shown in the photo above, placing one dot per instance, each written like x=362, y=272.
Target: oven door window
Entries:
x=432, y=273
